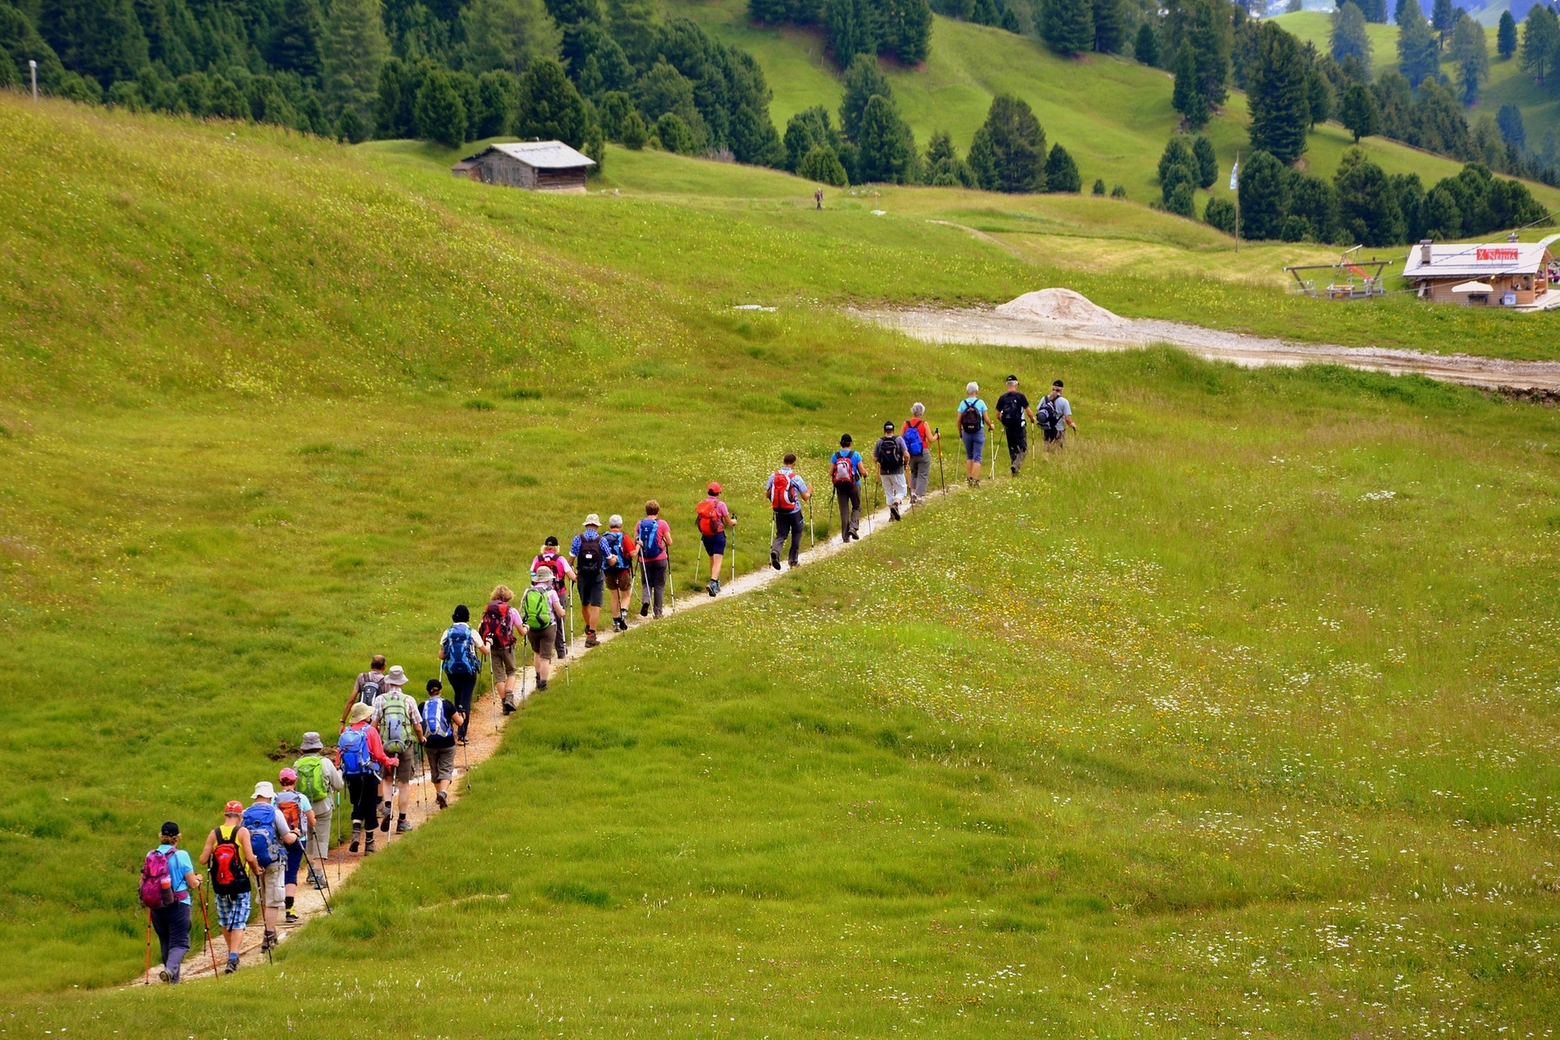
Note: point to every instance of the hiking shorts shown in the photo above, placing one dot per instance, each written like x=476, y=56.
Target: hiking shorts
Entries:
x=620, y=581
x=503, y=663
x=406, y=767
x=974, y=444
x=590, y=585
x=441, y=763
x=542, y=640
x=273, y=884
x=714, y=544
x=233, y=912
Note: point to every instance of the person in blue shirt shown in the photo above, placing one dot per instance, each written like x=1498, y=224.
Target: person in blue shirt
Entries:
x=845, y=472
x=589, y=555
x=973, y=424
x=172, y=922
x=786, y=492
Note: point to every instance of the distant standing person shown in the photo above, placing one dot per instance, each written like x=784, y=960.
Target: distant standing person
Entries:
x=359, y=755
x=1013, y=408
x=563, y=573
x=171, y=920
x=786, y=492
x=400, y=731
x=1055, y=417
x=654, y=536
x=891, y=455
x=618, y=569
x=918, y=441
x=818, y=197
x=542, y=611
x=318, y=780
x=499, y=631
x=232, y=864
x=440, y=720
x=845, y=473
x=368, y=685
x=713, y=519
x=461, y=650
x=973, y=424
x=589, y=555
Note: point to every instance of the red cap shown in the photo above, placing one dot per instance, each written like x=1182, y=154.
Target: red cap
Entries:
x=234, y=808
x=714, y=488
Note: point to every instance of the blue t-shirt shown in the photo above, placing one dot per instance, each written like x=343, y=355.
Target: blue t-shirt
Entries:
x=179, y=866
x=975, y=403
x=574, y=546
x=798, y=489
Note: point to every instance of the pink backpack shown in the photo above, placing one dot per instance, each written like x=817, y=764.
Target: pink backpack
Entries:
x=156, y=880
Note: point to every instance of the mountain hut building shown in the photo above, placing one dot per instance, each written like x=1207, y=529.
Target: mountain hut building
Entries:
x=535, y=165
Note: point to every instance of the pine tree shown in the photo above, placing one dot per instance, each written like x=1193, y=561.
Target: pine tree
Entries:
x=1220, y=214
x=549, y=107
x=1009, y=150
x=1109, y=26
x=1264, y=196
x=1280, y=94
x=352, y=56
x=1509, y=119
x=101, y=39
x=508, y=34
x=1209, y=33
x=1419, y=52
x=1358, y=112
x=822, y=165
x=1186, y=98
x=1506, y=36
x=1367, y=207
x=1540, y=34
x=1471, y=58
x=438, y=113
x=886, y=147
x=1099, y=186
x=1146, y=48
x=295, y=42
x=1207, y=161
x=863, y=81
x=1320, y=92
x=634, y=133
x=1349, y=35
x=675, y=135
x=1443, y=18
x=1067, y=26
x=1061, y=173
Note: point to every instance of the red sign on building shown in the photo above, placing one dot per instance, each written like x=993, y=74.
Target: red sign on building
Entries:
x=1496, y=253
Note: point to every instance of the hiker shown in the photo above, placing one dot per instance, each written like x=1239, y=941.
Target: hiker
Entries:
x=973, y=424
x=500, y=623
x=400, y=732
x=318, y=781
x=231, y=858
x=713, y=518
x=299, y=813
x=845, y=473
x=618, y=567
x=440, y=719
x=461, y=650
x=563, y=573
x=1012, y=408
x=818, y=197
x=269, y=835
x=588, y=554
x=1054, y=417
x=368, y=685
x=541, y=611
x=918, y=440
x=654, y=538
x=786, y=492
x=891, y=454
x=358, y=753
x=167, y=876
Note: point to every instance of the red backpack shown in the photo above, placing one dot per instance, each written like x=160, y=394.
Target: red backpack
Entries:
x=780, y=494
x=497, y=626
x=708, y=513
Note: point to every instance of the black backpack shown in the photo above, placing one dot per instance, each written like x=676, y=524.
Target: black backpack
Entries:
x=969, y=419
x=1010, y=408
x=590, y=557
x=1047, y=415
x=888, y=454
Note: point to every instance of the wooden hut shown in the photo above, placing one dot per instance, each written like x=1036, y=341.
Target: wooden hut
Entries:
x=1501, y=274
x=536, y=165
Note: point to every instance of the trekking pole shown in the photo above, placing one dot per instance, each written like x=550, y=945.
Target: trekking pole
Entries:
x=324, y=892
x=671, y=583
x=940, y=480
x=146, y=980
x=210, y=948
x=698, y=556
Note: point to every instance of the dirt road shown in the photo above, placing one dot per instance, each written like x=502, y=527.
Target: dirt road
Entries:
x=989, y=325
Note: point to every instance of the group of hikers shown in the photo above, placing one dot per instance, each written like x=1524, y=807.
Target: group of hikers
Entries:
x=387, y=740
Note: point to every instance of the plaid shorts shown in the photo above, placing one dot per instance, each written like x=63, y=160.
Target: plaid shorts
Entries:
x=233, y=911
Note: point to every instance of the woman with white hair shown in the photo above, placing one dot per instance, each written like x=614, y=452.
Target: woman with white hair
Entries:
x=973, y=424
x=918, y=441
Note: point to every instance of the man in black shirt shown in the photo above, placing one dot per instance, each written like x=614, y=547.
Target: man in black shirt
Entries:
x=1012, y=407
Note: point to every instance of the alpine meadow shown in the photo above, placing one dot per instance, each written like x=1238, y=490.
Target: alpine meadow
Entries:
x=1231, y=709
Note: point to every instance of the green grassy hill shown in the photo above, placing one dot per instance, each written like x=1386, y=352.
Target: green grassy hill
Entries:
x=1230, y=719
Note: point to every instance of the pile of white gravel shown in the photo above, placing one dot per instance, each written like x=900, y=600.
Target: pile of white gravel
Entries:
x=1058, y=305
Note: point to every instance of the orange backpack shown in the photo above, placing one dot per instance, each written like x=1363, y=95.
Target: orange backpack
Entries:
x=708, y=513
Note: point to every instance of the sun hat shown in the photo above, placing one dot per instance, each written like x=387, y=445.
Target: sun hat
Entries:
x=264, y=790
x=233, y=808
x=311, y=742
x=396, y=676
x=360, y=713
x=714, y=487
x=288, y=775
x=615, y=520
x=592, y=520
x=542, y=574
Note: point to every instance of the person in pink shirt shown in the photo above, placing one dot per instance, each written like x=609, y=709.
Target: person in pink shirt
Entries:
x=655, y=543
x=563, y=573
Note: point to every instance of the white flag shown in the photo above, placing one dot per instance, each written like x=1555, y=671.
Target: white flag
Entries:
x=1235, y=176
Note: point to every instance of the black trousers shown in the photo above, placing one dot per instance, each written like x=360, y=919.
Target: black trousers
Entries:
x=464, y=685
x=363, y=789
x=788, y=522
x=1017, y=443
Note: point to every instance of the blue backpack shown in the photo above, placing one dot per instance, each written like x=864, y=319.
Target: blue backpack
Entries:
x=260, y=818
x=612, y=545
x=649, y=531
x=913, y=440
x=460, y=651
x=433, y=718
x=353, y=745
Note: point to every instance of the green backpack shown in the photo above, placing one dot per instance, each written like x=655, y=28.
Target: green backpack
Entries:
x=536, y=610
x=395, y=724
x=311, y=778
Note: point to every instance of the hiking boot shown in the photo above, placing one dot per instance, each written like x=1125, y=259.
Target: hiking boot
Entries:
x=164, y=975
x=509, y=707
x=541, y=684
x=401, y=826
x=268, y=943
x=795, y=564
x=620, y=623
x=893, y=512
x=291, y=916
x=443, y=798
x=384, y=828
x=590, y=638
x=774, y=560
x=644, y=610
x=319, y=884
x=368, y=844
x=1013, y=470
x=232, y=966
x=357, y=833
x=714, y=587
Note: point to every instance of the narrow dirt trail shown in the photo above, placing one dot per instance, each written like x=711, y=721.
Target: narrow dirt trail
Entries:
x=987, y=326
x=486, y=731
